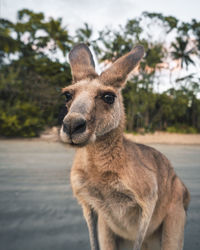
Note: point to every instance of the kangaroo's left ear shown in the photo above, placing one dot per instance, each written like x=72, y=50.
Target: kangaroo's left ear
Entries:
x=82, y=63
x=117, y=74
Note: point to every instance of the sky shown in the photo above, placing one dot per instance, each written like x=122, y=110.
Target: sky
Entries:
x=101, y=13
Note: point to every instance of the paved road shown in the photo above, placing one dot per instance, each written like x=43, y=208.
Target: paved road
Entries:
x=37, y=209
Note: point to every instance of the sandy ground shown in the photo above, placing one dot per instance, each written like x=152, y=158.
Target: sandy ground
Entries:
x=37, y=208
x=155, y=138
x=166, y=138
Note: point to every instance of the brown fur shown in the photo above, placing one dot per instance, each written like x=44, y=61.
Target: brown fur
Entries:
x=128, y=191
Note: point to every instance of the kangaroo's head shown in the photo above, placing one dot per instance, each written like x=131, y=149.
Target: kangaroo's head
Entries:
x=94, y=102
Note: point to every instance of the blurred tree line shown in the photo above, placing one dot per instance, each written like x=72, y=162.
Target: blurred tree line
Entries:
x=33, y=69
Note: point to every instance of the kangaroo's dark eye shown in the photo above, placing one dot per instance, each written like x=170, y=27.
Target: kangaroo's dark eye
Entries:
x=109, y=97
x=68, y=96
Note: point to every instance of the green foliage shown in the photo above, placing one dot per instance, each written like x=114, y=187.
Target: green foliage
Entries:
x=31, y=73
x=182, y=129
x=154, y=54
x=23, y=119
x=168, y=21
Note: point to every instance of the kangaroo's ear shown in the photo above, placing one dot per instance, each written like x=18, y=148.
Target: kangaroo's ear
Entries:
x=117, y=74
x=82, y=63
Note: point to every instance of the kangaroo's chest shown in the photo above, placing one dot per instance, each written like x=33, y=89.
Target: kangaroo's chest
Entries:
x=109, y=197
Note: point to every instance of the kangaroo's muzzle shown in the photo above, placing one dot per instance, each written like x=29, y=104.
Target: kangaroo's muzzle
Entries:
x=74, y=126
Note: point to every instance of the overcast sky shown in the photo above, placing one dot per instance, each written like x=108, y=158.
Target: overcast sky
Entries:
x=101, y=13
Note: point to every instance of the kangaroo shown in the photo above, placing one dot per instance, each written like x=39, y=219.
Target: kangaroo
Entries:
x=130, y=194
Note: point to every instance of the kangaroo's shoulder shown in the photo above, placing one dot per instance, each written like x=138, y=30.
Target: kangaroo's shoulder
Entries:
x=145, y=151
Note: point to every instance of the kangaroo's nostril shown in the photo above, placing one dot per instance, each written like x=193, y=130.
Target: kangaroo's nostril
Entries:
x=78, y=126
x=66, y=128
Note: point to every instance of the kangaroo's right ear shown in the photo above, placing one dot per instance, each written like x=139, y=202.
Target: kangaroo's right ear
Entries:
x=82, y=63
x=117, y=74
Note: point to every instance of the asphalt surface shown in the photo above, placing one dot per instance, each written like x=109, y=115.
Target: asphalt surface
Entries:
x=37, y=208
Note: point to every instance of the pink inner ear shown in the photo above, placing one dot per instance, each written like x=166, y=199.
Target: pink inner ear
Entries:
x=117, y=74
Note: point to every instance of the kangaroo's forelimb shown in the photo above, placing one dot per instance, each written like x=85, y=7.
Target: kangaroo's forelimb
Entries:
x=144, y=221
x=91, y=219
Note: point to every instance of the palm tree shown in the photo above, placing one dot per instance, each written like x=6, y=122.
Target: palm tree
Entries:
x=181, y=51
x=84, y=34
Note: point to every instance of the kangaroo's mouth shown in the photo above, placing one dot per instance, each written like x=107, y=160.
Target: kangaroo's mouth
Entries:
x=78, y=145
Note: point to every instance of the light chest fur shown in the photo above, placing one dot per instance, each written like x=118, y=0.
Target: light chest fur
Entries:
x=108, y=196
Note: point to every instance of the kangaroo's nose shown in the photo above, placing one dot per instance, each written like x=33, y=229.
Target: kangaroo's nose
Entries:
x=74, y=126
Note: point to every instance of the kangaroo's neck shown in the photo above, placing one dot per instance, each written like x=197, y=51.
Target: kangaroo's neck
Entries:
x=107, y=152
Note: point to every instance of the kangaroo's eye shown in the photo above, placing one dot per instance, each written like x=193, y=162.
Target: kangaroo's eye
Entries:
x=68, y=96
x=109, y=97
